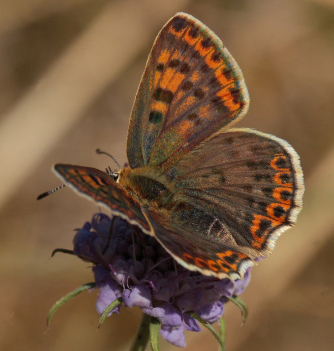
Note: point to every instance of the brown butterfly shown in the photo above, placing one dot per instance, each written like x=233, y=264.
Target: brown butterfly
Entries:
x=216, y=198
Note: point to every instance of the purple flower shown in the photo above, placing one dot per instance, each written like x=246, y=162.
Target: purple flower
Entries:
x=137, y=269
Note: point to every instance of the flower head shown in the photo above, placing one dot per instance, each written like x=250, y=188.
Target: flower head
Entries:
x=135, y=267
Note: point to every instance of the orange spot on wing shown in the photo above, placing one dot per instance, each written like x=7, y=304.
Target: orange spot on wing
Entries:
x=274, y=165
x=259, y=241
x=160, y=106
x=230, y=253
x=177, y=34
x=178, y=96
x=226, y=95
x=271, y=211
x=167, y=76
x=75, y=173
x=189, y=101
x=196, y=76
x=200, y=262
x=221, y=76
x=229, y=100
x=190, y=40
x=185, y=127
x=186, y=104
x=279, y=181
x=211, y=62
x=204, y=111
x=89, y=181
x=172, y=80
x=176, y=82
x=277, y=194
x=256, y=227
x=164, y=57
x=188, y=257
x=202, y=50
x=176, y=55
x=221, y=264
x=213, y=265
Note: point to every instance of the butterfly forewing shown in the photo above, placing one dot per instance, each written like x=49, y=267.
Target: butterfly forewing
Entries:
x=191, y=88
x=101, y=187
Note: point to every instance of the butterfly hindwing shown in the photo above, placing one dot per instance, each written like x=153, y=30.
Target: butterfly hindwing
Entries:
x=191, y=88
x=232, y=197
x=101, y=187
x=249, y=182
x=195, y=247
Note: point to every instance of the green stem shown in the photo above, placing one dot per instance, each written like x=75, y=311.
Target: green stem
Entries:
x=212, y=330
x=67, y=298
x=155, y=327
x=110, y=308
x=222, y=327
x=241, y=304
x=143, y=334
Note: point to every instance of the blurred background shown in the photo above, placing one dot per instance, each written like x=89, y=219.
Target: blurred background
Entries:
x=69, y=70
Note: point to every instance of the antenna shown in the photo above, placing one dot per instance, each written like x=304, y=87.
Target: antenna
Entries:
x=100, y=152
x=50, y=192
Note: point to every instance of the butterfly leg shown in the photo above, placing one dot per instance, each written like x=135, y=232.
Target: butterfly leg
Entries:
x=110, y=235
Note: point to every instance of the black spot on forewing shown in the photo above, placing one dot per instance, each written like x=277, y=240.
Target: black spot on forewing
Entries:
x=206, y=43
x=187, y=85
x=155, y=117
x=163, y=95
x=179, y=23
x=194, y=32
x=185, y=68
x=160, y=67
x=174, y=63
x=199, y=93
x=228, y=73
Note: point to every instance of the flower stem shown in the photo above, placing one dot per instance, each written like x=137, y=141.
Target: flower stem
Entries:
x=222, y=327
x=155, y=327
x=241, y=304
x=212, y=330
x=67, y=298
x=110, y=308
x=143, y=334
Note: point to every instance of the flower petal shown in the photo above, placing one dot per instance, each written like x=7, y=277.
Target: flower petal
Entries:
x=190, y=323
x=241, y=284
x=174, y=335
x=172, y=316
x=211, y=312
x=156, y=312
x=138, y=296
x=109, y=292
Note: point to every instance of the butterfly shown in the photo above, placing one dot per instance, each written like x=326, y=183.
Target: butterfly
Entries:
x=215, y=197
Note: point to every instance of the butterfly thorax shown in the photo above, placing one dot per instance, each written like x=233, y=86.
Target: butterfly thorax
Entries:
x=147, y=187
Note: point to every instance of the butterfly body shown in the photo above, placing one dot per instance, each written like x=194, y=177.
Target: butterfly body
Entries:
x=215, y=197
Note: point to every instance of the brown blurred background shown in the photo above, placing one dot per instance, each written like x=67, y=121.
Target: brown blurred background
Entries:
x=69, y=70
